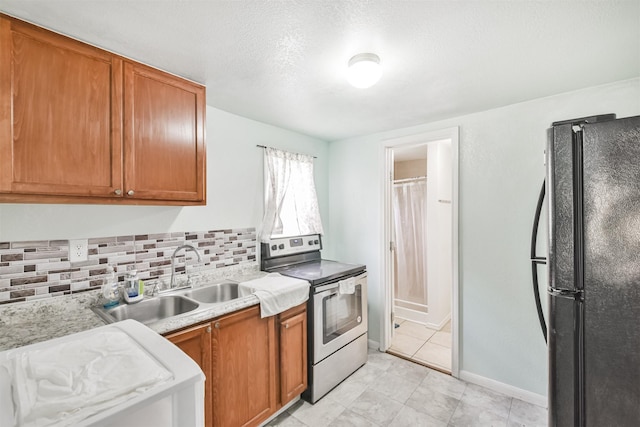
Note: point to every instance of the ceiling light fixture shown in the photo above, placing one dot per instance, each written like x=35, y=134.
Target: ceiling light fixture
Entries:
x=364, y=70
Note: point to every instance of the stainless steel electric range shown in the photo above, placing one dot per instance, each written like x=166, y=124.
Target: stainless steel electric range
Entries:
x=337, y=309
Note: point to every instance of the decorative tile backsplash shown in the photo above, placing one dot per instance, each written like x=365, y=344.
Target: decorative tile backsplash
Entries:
x=38, y=269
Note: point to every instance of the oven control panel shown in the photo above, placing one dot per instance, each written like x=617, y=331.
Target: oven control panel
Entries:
x=281, y=246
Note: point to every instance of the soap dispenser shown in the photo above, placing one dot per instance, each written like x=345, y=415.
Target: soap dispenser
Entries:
x=110, y=289
x=132, y=292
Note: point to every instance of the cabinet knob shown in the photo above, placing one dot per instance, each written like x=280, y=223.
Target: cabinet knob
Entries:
x=118, y=192
x=209, y=329
x=130, y=193
x=286, y=326
x=217, y=325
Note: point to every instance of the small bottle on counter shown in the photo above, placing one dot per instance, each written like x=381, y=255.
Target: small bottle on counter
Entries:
x=132, y=288
x=110, y=289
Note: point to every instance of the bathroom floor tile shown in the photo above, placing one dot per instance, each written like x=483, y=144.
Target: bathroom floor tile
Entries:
x=415, y=330
x=434, y=354
x=441, y=338
x=406, y=339
x=406, y=345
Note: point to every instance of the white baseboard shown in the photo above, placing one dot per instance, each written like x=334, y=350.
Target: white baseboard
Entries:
x=408, y=314
x=374, y=345
x=438, y=326
x=509, y=390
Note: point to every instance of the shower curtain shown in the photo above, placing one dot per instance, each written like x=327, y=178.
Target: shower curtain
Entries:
x=409, y=209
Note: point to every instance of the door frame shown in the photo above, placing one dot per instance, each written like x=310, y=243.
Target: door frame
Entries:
x=386, y=154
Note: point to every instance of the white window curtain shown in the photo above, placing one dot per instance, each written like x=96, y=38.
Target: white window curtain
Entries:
x=291, y=203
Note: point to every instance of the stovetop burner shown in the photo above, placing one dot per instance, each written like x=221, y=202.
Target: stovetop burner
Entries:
x=299, y=257
x=320, y=271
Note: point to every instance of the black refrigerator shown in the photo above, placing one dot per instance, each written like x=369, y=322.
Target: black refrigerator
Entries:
x=593, y=185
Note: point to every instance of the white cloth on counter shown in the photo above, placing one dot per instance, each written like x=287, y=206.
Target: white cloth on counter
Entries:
x=277, y=293
x=347, y=286
x=68, y=382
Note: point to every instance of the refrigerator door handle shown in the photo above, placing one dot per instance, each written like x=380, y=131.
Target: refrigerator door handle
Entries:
x=565, y=293
x=535, y=260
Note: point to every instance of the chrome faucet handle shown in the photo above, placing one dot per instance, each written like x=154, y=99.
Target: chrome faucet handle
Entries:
x=186, y=246
x=154, y=291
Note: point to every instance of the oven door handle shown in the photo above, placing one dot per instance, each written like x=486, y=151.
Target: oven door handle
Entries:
x=327, y=291
x=326, y=288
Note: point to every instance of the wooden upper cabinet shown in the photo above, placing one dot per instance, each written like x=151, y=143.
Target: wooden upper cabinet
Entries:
x=82, y=125
x=60, y=114
x=164, y=135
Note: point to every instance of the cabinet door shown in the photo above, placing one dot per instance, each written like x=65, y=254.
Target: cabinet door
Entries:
x=60, y=114
x=196, y=343
x=293, y=356
x=164, y=153
x=244, y=365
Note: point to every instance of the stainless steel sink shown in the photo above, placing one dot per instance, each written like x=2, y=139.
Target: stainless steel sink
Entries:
x=149, y=310
x=172, y=303
x=215, y=293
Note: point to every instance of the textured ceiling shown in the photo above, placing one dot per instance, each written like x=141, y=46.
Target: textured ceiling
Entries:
x=283, y=62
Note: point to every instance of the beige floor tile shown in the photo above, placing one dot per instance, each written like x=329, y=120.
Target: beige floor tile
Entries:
x=405, y=344
x=446, y=327
x=441, y=338
x=415, y=330
x=434, y=354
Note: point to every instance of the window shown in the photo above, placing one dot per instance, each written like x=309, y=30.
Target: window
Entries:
x=291, y=204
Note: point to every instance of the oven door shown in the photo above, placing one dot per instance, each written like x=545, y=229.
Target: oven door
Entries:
x=339, y=318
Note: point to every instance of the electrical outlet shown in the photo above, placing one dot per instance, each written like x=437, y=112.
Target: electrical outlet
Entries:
x=78, y=250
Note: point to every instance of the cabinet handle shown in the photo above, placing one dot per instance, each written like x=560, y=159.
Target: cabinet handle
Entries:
x=209, y=329
x=130, y=193
x=286, y=326
x=118, y=192
x=217, y=325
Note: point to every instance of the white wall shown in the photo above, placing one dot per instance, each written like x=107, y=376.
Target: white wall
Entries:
x=501, y=170
x=234, y=191
x=439, y=232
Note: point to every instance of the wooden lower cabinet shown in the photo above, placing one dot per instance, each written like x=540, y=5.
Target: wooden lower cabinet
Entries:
x=293, y=353
x=253, y=366
x=244, y=367
x=196, y=343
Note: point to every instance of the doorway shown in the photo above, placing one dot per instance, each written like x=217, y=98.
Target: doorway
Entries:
x=420, y=269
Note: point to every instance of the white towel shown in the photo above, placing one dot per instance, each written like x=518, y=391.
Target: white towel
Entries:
x=277, y=293
x=347, y=286
x=68, y=382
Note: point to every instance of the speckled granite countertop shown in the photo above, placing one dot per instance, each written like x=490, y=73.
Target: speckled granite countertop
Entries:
x=30, y=322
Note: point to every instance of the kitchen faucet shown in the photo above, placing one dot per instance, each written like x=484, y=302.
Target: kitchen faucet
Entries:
x=186, y=247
